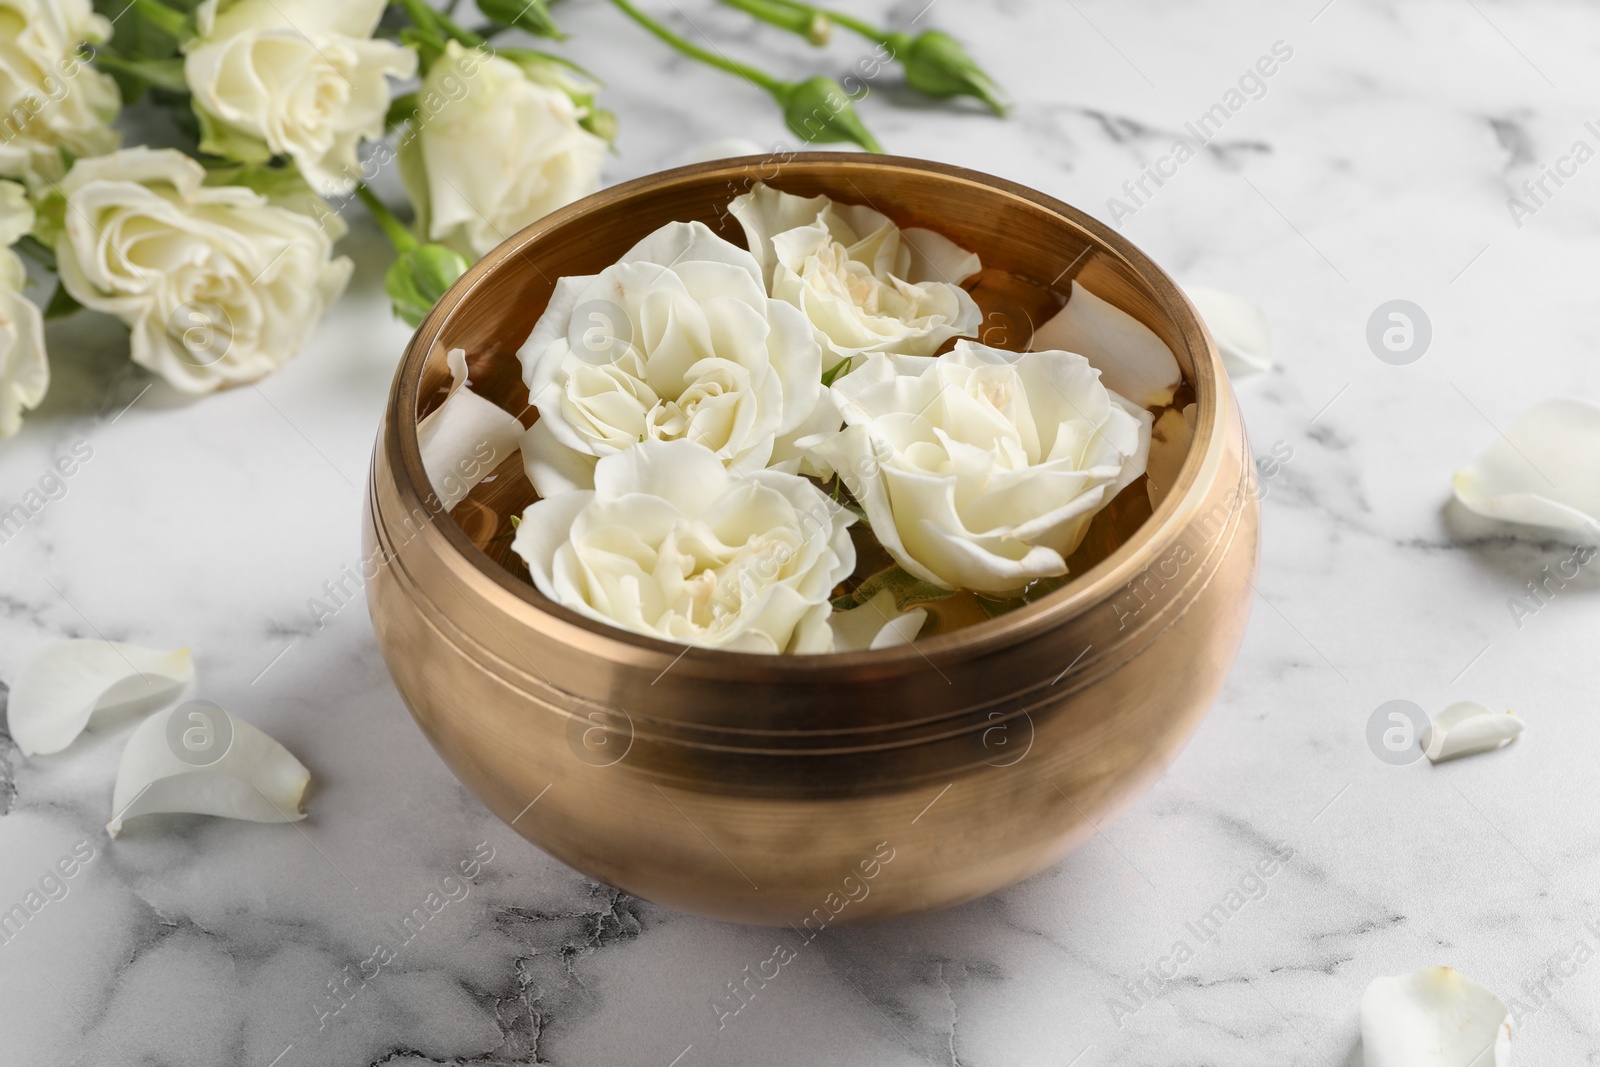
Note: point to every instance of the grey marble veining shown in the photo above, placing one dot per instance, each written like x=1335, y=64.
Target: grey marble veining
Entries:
x=1376, y=165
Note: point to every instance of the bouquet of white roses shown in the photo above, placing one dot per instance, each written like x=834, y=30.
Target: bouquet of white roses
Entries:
x=219, y=254
x=713, y=421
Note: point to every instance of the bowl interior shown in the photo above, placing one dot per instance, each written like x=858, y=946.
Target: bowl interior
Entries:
x=1031, y=247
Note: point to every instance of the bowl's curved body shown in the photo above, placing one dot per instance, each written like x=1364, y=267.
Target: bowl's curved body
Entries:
x=815, y=789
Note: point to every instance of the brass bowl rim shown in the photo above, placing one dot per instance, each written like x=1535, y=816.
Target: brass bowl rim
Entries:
x=1094, y=586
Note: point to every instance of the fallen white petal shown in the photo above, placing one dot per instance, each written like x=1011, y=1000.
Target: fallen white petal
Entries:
x=1240, y=329
x=1435, y=1017
x=67, y=684
x=1465, y=729
x=200, y=760
x=1131, y=359
x=1544, y=471
x=464, y=438
x=876, y=624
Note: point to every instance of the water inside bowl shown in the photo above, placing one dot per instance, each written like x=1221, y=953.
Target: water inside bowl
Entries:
x=1012, y=305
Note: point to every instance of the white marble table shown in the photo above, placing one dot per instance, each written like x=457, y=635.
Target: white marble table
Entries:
x=1376, y=166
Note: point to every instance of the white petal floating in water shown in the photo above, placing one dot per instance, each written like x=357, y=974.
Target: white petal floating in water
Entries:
x=1435, y=1017
x=876, y=624
x=200, y=760
x=464, y=438
x=1131, y=359
x=1170, y=438
x=1465, y=729
x=1544, y=471
x=67, y=684
x=1240, y=329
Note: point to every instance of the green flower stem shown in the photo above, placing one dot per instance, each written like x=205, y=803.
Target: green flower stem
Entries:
x=421, y=15
x=162, y=73
x=393, y=228
x=172, y=22
x=37, y=251
x=438, y=23
x=935, y=63
x=794, y=18
x=457, y=32
x=693, y=51
x=849, y=22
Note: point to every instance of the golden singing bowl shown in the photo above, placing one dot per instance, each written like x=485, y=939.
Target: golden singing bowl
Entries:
x=809, y=790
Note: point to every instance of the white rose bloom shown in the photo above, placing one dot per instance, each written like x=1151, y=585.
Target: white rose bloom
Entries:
x=675, y=340
x=492, y=151
x=300, y=78
x=671, y=544
x=50, y=98
x=218, y=286
x=864, y=284
x=981, y=469
x=24, y=373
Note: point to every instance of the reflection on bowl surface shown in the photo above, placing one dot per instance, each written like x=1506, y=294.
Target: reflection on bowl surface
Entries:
x=811, y=790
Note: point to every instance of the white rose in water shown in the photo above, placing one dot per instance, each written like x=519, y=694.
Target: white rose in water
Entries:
x=24, y=372
x=982, y=468
x=50, y=98
x=218, y=286
x=864, y=284
x=300, y=78
x=671, y=544
x=493, y=151
x=675, y=340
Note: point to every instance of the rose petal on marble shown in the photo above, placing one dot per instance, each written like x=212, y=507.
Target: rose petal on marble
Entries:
x=1466, y=729
x=71, y=682
x=1131, y=359
x=1240, y=329
x=198, y=759
x=1435, y=1017
x=876, y=624
x=464, y=438
x=1544, y=471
